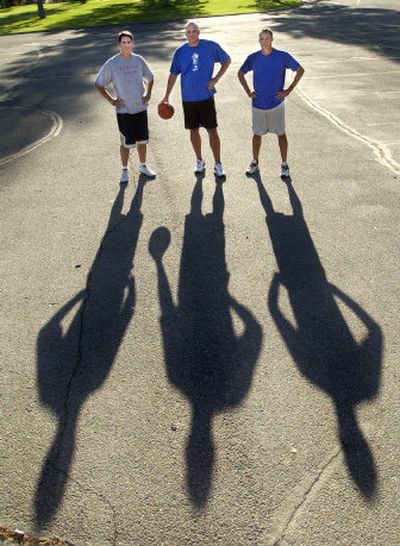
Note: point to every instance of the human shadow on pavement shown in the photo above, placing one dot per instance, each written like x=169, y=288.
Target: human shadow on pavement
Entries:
x=318, y=337
x=75, y=352
x=206, y=359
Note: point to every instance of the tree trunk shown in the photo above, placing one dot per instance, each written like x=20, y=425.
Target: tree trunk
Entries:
x=41, y=11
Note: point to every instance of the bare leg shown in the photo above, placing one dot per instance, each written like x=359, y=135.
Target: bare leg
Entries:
x=215, y=144
x=256, y=145
x=142, y=152
x=195, y=139
x=283, y=147
x=124, y=152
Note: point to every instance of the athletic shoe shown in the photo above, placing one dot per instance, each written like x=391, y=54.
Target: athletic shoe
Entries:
x=200, y=166
x=285, y=171
x=124, y=176
x=253, y=168
x=144, y=169
x=219, y=170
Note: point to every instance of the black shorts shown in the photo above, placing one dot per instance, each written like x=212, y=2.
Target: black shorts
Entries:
x=133, y=128
x=200, y=113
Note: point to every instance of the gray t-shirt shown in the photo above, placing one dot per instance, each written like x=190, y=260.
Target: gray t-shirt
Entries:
x=126, y=76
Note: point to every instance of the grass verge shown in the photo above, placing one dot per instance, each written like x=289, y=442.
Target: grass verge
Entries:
x=74, y=13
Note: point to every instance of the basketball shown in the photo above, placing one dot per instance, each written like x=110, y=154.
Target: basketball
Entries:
x=165, y=110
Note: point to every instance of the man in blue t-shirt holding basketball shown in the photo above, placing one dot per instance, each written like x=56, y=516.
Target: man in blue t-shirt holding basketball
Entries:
x=194, y=61
x=269, y=68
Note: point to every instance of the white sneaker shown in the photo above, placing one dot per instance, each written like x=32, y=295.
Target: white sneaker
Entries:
x=285, y=171
x=219, y=170
x=144, y=169
x=253, y=167
x=124, y=176
x=200, y=166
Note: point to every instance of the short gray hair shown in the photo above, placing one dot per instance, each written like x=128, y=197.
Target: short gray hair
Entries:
x=192, y=24
x=267, y=31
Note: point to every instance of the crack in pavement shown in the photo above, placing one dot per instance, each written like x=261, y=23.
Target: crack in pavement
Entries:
x=301, y=493
x=87, y=489
x=65, y=417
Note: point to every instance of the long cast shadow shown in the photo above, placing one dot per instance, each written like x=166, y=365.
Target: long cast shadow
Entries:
x=321, y=342
x=75, y=360
x=205, y=359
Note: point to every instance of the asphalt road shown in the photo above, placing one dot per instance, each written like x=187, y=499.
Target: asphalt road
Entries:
x=189, y=362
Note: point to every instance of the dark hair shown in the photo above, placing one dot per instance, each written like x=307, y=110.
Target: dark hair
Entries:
x=267, y=31
x=125, y=33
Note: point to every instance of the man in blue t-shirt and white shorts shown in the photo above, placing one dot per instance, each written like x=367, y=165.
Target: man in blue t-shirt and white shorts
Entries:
x=269, y=69
x=194, y=61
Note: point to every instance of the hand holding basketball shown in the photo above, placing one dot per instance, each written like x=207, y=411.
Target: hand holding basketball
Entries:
x=165, y=110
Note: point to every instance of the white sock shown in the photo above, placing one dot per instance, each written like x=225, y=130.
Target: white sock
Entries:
x=125, y=167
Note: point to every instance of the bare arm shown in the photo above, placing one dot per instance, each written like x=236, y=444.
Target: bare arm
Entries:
x=170, y=84
x=118, y=103
x=285, y=92
x=245, y=86
x=224, y=67
x=149, y=89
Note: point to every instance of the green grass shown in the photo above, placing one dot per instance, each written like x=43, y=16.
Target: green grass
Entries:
x=92, y=13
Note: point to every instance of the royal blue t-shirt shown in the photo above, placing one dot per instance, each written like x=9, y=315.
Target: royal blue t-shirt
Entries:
x=196, y=66
x=268, y=76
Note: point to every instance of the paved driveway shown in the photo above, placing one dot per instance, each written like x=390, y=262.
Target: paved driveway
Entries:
x=187, y=362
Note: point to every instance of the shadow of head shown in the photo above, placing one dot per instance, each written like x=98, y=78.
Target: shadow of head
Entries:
x=159, y=242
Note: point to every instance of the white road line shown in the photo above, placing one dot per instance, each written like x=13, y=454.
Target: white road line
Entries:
x=382, y=153
x=54, y=131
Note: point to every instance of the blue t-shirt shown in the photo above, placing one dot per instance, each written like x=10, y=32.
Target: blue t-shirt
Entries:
x=196, y=66
x=268, y=76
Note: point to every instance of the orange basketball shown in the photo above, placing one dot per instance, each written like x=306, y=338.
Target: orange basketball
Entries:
x=165, y=110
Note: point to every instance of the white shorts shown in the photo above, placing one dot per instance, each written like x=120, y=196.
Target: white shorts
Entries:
x=269, y=121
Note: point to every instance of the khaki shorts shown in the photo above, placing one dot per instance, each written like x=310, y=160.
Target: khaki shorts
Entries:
x=269, y=121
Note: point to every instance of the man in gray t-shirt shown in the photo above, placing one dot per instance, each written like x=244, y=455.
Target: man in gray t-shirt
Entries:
x=132, y=81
